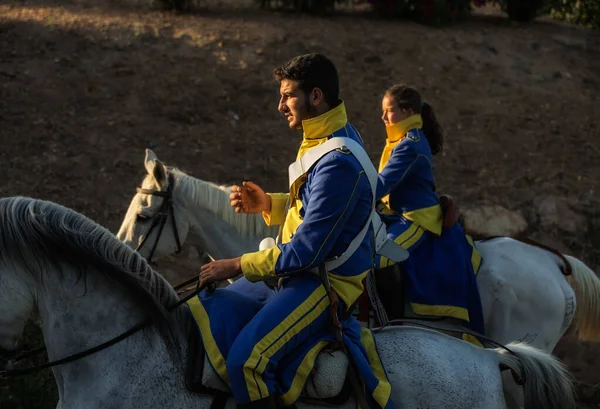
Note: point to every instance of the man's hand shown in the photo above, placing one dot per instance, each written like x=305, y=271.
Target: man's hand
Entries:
x=220, y=270
x=249, y=198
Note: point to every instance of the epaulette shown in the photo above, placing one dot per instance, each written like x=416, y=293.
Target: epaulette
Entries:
x=343, y=150
x=413, y=136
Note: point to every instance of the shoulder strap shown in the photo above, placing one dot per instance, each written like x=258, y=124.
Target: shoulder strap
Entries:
x=303, y=165
x=383, y=246
x=297, y=169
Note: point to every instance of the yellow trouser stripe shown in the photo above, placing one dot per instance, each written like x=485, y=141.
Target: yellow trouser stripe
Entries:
x=475, y=256
x=302, y=373
x=470, y=338
x=382, y=392
x=441, y=311
x=406, y=240
x=214, y=354
x=292, y=325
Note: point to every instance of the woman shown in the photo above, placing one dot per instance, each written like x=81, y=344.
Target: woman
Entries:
x=439, y=275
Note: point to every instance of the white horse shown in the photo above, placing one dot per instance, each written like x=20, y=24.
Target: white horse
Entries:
x=88, y=287
x=524, y=293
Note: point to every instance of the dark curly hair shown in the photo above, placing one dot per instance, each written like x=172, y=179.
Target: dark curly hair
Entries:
x=406, y=97
x=312, y=71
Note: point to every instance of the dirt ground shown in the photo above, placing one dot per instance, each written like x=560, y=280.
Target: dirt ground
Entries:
x=86, y=87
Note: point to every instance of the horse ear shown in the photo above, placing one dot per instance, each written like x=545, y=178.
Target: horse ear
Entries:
x=155, y=168
x=149, y=161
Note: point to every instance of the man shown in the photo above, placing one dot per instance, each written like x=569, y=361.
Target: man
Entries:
x=326, y=209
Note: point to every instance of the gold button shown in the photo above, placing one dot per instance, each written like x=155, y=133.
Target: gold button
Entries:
x=291, y=235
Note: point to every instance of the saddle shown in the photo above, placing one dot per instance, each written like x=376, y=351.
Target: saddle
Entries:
x=391, y=293
x=449, y=210
x=327, y=384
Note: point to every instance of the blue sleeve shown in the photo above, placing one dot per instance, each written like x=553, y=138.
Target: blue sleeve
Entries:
x=333, y=198
x=399, y=167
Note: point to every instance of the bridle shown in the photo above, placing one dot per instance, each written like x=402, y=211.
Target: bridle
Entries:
x=9, y=357
x=160, y=218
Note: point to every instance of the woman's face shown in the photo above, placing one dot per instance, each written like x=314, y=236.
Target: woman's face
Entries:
x=391, y=112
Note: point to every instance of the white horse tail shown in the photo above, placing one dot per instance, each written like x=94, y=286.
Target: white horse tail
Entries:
x=586, y=285
x=546, y=382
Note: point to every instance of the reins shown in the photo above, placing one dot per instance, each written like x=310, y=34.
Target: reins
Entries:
x=12, y=357
x=160, y=219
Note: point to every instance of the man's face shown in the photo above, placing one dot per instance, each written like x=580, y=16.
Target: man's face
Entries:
x=293, y=103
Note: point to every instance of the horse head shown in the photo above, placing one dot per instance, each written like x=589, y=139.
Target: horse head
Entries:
x=155, y=223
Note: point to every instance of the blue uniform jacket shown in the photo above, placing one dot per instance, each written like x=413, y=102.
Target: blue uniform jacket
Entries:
x=406, y=184
x=328, y=208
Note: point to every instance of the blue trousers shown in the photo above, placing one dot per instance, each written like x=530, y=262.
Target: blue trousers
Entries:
x=269, y=349
x=259, y=290
x=288, y=328
x=440, y=274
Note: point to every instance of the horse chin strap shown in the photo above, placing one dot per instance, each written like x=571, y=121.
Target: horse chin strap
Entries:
x=160, y=219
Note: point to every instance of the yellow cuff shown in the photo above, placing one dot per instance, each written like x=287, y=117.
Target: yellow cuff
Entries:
x=429, y=218
x=260, y=265
x=278, y=202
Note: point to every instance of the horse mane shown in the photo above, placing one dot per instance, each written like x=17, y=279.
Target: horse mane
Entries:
x=39, y=234
x=215, y=198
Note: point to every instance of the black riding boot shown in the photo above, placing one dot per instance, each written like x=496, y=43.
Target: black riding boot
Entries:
x=389, y=288
x=265, y=403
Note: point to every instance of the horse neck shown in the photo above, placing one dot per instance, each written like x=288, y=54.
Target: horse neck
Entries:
x=223, y=232
x=81, y=314
x=219, y=239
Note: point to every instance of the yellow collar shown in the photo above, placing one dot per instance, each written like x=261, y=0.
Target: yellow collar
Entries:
x=317, y=129
x=399, y=130
x=325, y=124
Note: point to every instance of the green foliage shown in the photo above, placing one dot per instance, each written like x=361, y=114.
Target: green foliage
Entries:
x=584, y=13
x=35, y=391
